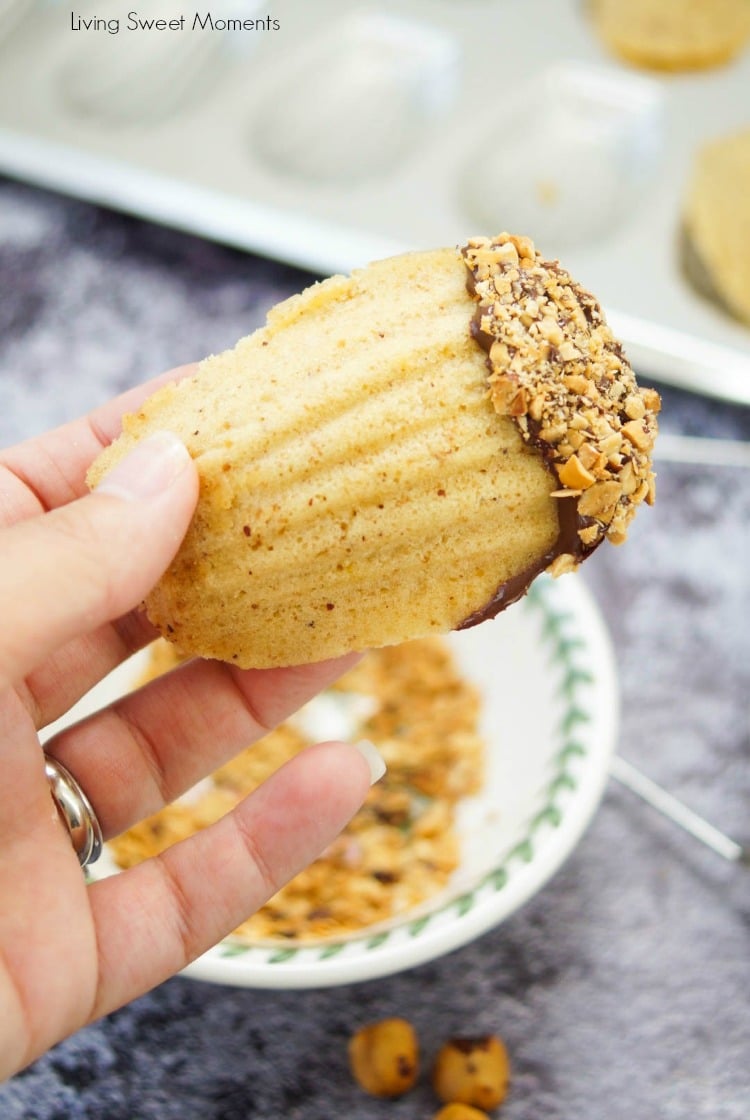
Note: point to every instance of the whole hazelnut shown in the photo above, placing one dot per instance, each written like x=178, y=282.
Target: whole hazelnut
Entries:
x=384, y=1057
x=473, y=1071
x=456, y=1111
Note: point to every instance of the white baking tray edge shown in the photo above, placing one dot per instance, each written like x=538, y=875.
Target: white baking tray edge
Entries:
x=669, y=355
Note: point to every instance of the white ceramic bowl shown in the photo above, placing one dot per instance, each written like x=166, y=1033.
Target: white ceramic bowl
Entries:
x=546, y=672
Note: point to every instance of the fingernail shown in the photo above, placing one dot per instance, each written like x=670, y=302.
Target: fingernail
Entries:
x=148, y=470
x=373, y=758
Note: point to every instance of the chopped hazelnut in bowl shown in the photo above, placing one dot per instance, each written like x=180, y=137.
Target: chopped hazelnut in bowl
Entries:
x=498, y=741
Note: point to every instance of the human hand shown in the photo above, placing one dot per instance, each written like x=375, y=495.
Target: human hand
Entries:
x=73, y=568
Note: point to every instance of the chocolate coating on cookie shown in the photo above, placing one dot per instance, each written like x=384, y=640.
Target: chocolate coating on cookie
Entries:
x=556, y=369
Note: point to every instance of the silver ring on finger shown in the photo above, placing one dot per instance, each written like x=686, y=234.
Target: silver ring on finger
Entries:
x=75, y=811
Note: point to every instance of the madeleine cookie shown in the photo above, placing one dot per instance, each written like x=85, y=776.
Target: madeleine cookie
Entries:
x=673, y=34
x=397, y=453
x=717, y=222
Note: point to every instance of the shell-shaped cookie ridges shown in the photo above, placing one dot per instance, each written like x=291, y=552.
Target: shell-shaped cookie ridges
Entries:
x=357, y=486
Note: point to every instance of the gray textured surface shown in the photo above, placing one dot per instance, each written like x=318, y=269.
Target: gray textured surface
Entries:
x=623, y=988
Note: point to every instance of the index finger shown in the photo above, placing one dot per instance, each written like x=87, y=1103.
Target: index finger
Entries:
x=49, y=470
x=152, y=745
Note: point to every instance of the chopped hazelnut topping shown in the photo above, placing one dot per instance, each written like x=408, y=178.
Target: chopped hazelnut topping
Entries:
x=562, y=564
x=635, y=431
x=591, y=459
x=589, y=534
x=600, y=500
x=574, y=475
x=556, y=368
x=576, y=382
x=634, y=407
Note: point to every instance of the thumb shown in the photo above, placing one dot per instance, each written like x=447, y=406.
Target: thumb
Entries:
x=67, y=572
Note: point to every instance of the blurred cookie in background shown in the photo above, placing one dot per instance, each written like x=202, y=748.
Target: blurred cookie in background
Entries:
x=716, y=230
x=673, y=34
